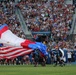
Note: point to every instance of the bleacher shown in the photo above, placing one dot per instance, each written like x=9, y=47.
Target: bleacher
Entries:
x=54, y=17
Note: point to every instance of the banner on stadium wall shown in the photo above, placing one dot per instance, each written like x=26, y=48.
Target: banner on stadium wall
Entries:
x=42, y=33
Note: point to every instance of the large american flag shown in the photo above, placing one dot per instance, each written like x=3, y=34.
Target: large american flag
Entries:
x=13, y=52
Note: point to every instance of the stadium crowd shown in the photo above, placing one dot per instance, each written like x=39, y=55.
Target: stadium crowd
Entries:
x=8, y=16
x=55, y=16
x=40, y=15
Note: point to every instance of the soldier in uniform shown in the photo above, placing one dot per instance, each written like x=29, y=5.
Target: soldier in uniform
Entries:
x=36, y=57
x=57, y=57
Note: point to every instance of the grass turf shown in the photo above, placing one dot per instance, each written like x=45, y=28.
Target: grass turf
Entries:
x=31, y=70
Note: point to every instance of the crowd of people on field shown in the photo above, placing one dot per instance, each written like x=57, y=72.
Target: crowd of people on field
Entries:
x=55, y=57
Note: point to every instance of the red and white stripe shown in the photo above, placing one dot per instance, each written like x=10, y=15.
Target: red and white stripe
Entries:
x=13, y=52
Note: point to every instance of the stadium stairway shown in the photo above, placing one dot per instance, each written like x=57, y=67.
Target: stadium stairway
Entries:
x=27, y=33
x=75, y=23
x=73, y=29
x=69, y=1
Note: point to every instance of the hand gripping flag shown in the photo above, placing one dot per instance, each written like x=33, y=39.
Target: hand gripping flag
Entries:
x=10, y=39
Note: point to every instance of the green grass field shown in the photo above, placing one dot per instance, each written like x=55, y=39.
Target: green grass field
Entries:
x=31, y=70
